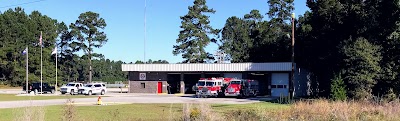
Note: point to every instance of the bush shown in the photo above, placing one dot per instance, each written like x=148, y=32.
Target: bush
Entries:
x=243, y=115
x=338, y=88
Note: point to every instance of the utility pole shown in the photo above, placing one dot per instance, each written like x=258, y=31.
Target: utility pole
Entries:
x=292, y=79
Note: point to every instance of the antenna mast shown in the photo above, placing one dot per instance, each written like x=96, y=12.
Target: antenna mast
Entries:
x=144, y=42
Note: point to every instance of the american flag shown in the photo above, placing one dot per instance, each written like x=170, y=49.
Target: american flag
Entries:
x=40, y=39
x=24, y=52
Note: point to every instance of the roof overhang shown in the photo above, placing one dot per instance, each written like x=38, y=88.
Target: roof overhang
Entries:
x=208, y=67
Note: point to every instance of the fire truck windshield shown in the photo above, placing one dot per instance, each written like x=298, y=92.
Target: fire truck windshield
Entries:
x=202, y=83
x=235, y=82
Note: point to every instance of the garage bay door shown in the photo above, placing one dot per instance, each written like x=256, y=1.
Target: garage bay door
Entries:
x=280, y=84
x=233, y=75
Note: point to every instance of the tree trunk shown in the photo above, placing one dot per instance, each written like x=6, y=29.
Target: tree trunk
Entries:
x=90, y=68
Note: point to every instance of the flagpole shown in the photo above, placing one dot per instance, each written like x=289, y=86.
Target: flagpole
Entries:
x=26, y=70
x=56, y=72
x=41, y=64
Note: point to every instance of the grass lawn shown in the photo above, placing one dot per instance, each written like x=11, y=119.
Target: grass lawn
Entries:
x=128, y=111
x=13, y=97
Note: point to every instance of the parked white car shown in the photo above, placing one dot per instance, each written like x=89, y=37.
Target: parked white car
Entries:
x=71, y=88
x=93, y=88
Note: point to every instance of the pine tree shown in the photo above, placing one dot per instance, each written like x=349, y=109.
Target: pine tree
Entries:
x=338, y=88
x=361, y=67
x=194, y=37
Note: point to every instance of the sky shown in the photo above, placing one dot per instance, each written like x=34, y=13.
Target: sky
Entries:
x=125, y=22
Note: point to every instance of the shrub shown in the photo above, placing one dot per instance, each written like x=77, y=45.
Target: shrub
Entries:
x=338, y=88
x=243, y=115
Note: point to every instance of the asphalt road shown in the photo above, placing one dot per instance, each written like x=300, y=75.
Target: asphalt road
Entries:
x=19, y=91
x=123, y=98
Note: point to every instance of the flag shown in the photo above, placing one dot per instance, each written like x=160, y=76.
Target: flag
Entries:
x=54, y=51
x=24, y=52
x=40, y=39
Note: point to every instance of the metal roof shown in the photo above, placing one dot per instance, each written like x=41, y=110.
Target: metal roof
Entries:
x=210, y=67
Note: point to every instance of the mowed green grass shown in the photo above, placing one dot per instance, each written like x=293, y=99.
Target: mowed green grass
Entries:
x=13, y=97
x=155, y=112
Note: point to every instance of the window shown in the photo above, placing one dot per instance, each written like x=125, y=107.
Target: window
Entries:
x=70, y=85
x=219, y=83
x=103, y=85
x=143, y=85
x=97, y=85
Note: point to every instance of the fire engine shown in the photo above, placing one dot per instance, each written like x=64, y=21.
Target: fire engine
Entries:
x=242, y=88
x=211, y=87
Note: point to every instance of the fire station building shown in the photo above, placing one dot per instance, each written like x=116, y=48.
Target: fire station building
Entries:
x=273, y=78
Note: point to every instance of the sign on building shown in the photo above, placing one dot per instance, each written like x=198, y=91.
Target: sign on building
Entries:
x=142, y=76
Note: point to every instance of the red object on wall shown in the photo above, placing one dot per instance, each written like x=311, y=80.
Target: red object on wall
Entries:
x=159, y=85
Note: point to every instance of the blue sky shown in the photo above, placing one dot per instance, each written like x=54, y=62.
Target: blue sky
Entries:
x=125, y=21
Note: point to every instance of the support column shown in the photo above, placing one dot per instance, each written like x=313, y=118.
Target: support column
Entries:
x=182, y=83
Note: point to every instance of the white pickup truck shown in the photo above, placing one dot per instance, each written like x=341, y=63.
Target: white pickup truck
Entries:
x=71, y=88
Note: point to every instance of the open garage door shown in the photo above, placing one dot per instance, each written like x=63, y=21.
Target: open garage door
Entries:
x=279, y=84
x=233, y=75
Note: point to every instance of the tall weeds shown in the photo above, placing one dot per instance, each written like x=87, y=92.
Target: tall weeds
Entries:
x=315, y=110
x=69, y=111
x=30, y=113
x=199, y=112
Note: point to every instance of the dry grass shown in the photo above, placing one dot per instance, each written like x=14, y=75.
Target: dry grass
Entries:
x=32, y=113
x=328, y=110
x=316, y=110
x=69, y=112
x=321, y=110
x=199, y=112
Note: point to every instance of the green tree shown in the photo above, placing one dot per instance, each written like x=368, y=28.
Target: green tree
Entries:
x=362, y=66
x=320, y=31
x=194, y=37
x=338, y=88
x=151, y=61
x=139, y=62
x=18, y=31
x=87, y=31
x=66, y=59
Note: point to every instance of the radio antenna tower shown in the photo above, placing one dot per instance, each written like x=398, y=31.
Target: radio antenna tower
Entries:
x=144, y=41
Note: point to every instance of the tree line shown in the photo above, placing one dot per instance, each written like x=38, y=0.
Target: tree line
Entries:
x=19, y=30
x=351, y=46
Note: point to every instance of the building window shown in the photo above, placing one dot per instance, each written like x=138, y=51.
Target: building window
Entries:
x=143, y=85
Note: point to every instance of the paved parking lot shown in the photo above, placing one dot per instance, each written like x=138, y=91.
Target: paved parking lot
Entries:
x=122, y=98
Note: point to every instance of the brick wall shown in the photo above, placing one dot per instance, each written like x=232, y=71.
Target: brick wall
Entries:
x=150, y=76
x=150, y=86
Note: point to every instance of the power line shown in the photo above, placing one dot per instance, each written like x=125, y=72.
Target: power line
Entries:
x=23, y=4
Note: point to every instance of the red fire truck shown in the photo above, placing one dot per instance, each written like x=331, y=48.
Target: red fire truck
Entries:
x=242, y=88
x=211, y=87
